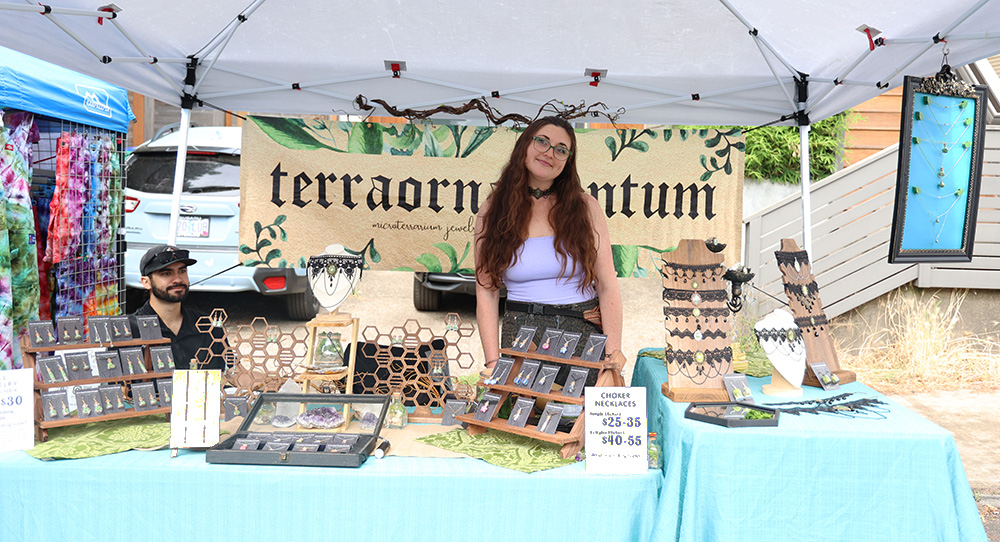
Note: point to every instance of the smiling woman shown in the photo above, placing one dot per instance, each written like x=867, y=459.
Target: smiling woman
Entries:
x=544, y=239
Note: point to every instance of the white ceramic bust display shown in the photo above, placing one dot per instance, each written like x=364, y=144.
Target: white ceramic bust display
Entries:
x=334, y=275
x=782, y=341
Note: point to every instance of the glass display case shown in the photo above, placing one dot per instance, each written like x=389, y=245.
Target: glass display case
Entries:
x=305, y=430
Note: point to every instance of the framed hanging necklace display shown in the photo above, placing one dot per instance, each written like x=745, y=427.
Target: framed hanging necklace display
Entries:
x=939, y=171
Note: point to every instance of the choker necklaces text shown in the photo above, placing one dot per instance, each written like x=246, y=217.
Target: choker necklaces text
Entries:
x=539, y=194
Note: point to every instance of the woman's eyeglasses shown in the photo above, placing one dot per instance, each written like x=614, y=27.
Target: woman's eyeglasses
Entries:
x=543, y=145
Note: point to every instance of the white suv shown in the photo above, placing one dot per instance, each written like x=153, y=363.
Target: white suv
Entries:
x=209, y=220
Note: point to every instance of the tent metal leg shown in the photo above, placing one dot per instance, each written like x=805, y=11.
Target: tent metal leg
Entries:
x=806, y=190
x=175, y=202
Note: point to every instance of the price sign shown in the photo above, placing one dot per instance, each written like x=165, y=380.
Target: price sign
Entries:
x=16, y=408
x=616, y=430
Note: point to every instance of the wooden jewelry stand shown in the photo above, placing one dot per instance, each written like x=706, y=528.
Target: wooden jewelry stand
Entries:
x=321, y=382
x=30, y=353
x=406, y=361
x=780, y=387
x=609, y=374
x=807, y=307
x=694, y=294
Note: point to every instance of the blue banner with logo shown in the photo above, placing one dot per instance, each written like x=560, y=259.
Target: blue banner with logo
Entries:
x=34, y=85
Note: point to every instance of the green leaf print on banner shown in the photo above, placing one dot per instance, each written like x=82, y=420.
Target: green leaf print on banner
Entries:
x=629, y=139
x=481, y=134
x=289, y=133
x=274, y=230
x=402, y=142
x=373, y=254
x=433, y=263
x=626, y=259
x=438, y=142
x=365, y=138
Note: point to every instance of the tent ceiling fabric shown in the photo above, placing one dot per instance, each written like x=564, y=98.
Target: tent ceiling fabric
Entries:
x=657, y=53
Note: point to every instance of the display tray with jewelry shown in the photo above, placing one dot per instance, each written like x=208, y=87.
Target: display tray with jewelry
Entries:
x=307, y=430
x=122, y=366
x=733, y=414
x=530, y=374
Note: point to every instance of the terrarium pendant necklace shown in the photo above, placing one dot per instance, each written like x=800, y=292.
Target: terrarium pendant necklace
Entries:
x=538, y=193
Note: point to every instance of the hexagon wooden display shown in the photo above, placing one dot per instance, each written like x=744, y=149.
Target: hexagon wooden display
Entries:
x=406, y=350
x=807, y=307
x=261, y=357
x=696, y=317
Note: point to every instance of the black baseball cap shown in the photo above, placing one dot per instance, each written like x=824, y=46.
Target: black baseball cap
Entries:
x=162, y=256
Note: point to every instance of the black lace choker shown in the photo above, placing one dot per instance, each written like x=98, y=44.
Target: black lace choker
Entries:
x=539, y=194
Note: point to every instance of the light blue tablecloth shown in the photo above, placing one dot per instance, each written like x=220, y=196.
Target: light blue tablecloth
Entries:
x=147, y=496
x=814, y=477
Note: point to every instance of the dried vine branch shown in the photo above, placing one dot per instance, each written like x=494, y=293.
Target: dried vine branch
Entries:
x=557, y=108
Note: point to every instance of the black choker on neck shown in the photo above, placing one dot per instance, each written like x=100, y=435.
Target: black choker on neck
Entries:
x=539, y=194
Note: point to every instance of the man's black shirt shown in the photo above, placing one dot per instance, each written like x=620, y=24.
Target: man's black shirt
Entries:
x=189, y=340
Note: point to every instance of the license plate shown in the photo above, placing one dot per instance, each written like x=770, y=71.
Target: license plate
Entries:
x=192, y=226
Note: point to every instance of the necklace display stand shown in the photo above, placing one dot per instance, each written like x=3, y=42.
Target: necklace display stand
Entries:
x=782, y=341
x=609, y=374
x=806, y=306
x=698, y=348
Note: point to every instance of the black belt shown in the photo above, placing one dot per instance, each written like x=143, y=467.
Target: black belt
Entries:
x=541, y=308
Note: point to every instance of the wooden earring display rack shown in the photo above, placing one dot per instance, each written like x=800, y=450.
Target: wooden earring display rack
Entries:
x=799, y=287
x=609, y=374
x=42, y=427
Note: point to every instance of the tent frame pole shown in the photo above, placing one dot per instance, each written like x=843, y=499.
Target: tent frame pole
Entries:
x=806, y=190
x=175, y=200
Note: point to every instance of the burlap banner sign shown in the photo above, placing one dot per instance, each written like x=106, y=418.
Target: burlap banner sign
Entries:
x=414, y=190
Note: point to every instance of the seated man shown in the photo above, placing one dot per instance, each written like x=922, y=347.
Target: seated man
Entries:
x=164, y=274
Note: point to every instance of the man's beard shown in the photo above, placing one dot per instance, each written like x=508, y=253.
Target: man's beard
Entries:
x=170, y=297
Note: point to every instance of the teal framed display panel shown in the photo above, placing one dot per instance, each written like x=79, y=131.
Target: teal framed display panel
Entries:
x=939, y=171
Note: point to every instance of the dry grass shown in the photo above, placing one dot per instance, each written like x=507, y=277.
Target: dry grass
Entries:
x=742, y=329
x=912, y=347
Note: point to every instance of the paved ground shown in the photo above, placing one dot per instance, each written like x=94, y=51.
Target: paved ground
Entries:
x=385, y=300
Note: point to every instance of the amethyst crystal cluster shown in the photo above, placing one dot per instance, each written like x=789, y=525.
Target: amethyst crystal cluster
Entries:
x=321, y=418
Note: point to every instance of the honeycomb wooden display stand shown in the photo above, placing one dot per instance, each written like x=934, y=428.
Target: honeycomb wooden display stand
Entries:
x=30, y=353
x=807, y=308
x=406, y=362
x=697, y=323
x=609, y=374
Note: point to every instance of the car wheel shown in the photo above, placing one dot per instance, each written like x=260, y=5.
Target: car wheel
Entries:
x=425, y=299
x=302, y=306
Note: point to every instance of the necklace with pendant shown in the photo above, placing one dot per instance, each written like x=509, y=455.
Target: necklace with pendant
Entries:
x=539, y=194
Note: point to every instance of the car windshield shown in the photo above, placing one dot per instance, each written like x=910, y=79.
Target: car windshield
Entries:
x=203, y=173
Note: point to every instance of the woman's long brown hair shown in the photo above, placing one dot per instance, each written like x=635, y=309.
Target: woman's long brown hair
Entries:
x=505, y=224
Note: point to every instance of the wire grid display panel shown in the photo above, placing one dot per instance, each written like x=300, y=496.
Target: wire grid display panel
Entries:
x=78, y=190
x=410, y=358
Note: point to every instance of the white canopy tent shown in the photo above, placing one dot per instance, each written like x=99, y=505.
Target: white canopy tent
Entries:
x=731, y=62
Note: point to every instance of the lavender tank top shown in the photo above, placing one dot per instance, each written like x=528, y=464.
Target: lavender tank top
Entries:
x=535, y=276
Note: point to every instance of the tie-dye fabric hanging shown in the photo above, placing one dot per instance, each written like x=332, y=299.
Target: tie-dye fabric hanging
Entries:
x=15, y=172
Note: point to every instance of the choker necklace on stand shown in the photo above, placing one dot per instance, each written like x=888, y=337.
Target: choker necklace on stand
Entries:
x=539, y=194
